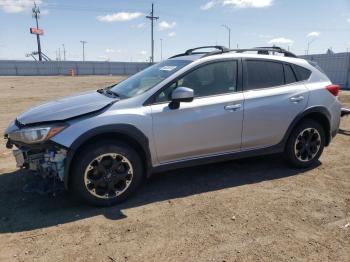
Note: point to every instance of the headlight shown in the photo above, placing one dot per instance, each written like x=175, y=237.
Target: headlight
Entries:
x=36, y=134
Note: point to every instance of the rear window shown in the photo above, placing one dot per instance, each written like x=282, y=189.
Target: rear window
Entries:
x=263, y=74
x=302, y=73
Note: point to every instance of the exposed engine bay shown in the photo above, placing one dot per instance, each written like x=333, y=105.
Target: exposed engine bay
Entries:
x=48, y=163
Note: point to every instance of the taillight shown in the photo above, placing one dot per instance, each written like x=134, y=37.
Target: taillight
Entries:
x=333, y=89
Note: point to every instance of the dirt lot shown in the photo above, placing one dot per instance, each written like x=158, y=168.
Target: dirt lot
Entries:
x=246, y=210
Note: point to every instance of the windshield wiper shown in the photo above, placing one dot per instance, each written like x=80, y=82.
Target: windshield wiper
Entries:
x=110, y=92
x=107, y=92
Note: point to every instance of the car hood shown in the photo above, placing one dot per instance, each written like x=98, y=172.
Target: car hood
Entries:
x=66, y=108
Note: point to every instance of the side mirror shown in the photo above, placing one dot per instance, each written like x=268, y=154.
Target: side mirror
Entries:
x=181, y=94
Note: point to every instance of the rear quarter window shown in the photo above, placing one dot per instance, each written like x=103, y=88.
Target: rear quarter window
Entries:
x=302, y=73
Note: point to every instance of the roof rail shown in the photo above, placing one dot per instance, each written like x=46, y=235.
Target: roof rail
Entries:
x=220, y=50
x=266, y=50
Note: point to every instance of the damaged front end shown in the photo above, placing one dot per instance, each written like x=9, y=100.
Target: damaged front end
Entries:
x=48, y=163
x=35, y=152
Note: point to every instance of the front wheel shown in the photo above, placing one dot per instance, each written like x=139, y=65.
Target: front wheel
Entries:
x=106, y=173
x=306, y=144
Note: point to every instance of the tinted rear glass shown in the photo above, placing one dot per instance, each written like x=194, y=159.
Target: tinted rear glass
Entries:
x=289, y=74
x=302, y=73
x=263, y=74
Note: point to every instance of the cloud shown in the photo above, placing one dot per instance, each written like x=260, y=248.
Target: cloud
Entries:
x=17, y=6
x=143, y=52
x=348, y=20
x=172, y=34
x=248, y=3
x=208, y=5
x=238, y=3
x=313, y=34
x=281, y=40
x=166, y=25
x=119, y=17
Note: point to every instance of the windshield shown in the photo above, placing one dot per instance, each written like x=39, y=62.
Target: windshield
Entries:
x=148, y=78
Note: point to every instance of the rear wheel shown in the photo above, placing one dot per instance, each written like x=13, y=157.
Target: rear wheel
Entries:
x=306, y=144
x=106, y=173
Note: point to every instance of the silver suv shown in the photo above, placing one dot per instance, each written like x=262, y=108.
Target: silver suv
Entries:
x=194, y=108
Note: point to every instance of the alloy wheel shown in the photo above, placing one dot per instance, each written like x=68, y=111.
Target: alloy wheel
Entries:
x=108, y=175
x=307, y=144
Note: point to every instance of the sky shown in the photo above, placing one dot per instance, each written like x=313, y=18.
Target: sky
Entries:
x=117, y=30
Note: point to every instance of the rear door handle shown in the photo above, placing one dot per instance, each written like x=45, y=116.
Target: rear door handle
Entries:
x=234, y=107
x=296, y=99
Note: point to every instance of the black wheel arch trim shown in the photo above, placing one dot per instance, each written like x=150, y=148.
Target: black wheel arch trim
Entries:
x=126, y=130
x=316, y=109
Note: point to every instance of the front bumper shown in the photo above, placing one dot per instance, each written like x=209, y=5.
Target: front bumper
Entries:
x=47, y=160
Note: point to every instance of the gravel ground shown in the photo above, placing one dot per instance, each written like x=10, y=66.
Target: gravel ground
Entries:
x=246, y=210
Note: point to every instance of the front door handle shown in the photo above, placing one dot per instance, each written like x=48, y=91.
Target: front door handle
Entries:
x=234, y=107
x=296, y=99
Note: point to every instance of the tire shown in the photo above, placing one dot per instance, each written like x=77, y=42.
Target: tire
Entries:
x=106, y=173
x=305, y=144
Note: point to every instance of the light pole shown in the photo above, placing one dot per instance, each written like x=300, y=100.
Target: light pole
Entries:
x=308, y=45
x=229, y=34
x=83, y=43
x=64, y=52
x=161, y=49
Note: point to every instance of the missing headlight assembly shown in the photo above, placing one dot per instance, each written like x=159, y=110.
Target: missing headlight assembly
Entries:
x=36, y=153
x=49, y=163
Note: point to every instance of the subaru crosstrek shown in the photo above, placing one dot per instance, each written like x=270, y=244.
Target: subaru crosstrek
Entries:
x=193, y=108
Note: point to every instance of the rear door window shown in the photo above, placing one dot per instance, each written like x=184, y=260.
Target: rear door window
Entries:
x=289, y=74
x=264, y=74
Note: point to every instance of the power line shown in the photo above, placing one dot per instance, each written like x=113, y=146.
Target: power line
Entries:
x=152, y=18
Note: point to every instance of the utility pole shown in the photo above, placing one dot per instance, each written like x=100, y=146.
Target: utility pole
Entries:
x=64, y=52
x=36, y=15
x=83, y=43
x=152, y=18
x=229, y=34
x=161, y=49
